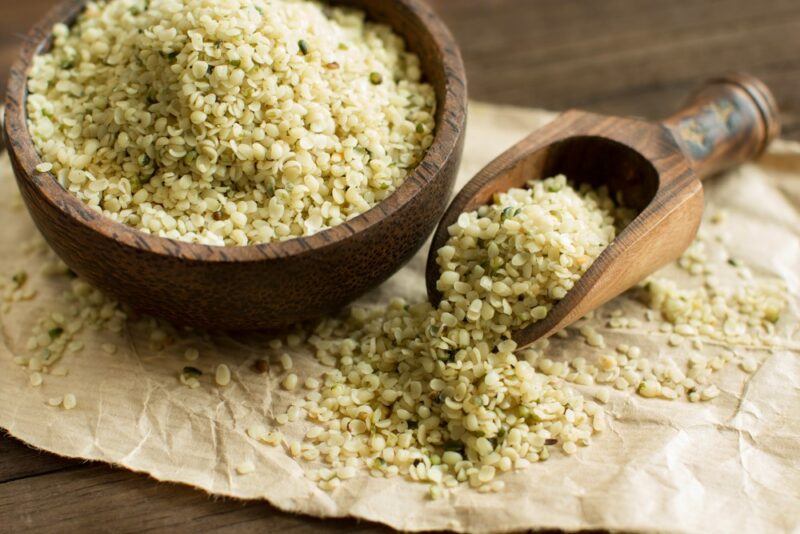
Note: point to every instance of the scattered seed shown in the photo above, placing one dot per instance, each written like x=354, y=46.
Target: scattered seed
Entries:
x=245, y=467
x=70, y=401
x=223, y=375
x=290, y=382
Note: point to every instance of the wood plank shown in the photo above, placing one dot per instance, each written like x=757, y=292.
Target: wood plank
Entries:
x=624, y=57
x=93, y=497
x=17, y=460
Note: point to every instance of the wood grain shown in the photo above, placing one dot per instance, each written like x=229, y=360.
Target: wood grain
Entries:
x=619, y=57
x=17, y=461
x=81, y=497
x=624, y=57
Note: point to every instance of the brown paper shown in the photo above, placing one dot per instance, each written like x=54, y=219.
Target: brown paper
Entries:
x=727, y=465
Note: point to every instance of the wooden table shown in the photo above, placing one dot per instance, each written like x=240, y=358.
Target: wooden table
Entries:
x=629, y=57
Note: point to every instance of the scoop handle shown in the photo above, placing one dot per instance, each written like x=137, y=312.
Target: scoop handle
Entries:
x=728, y=121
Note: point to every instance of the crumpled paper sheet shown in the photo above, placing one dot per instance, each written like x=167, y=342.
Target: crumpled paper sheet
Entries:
x=732, y=464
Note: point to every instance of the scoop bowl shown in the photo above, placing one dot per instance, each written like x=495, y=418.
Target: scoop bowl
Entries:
x=654, y=168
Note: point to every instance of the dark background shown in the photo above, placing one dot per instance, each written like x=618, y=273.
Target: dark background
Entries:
x=627, y=57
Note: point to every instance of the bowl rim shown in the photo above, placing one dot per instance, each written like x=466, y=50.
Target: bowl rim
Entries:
x=450, y=128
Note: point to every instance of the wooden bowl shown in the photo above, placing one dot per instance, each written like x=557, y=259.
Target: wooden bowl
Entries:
x=260, y=286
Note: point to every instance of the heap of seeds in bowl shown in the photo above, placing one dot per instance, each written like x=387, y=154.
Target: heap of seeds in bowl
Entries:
x=437, y=393
x=228, y=122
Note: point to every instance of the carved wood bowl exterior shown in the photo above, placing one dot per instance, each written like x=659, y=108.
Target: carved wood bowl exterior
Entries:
x=264, y=286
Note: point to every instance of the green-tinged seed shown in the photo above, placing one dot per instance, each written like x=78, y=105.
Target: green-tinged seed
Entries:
x=55, y=332
x=192, y=371
x=376, y=78
x=303, y=46
x=553, y=187
x=454, y=445
x=20, y=278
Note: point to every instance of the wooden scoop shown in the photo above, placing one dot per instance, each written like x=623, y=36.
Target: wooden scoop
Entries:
x=655, y=168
